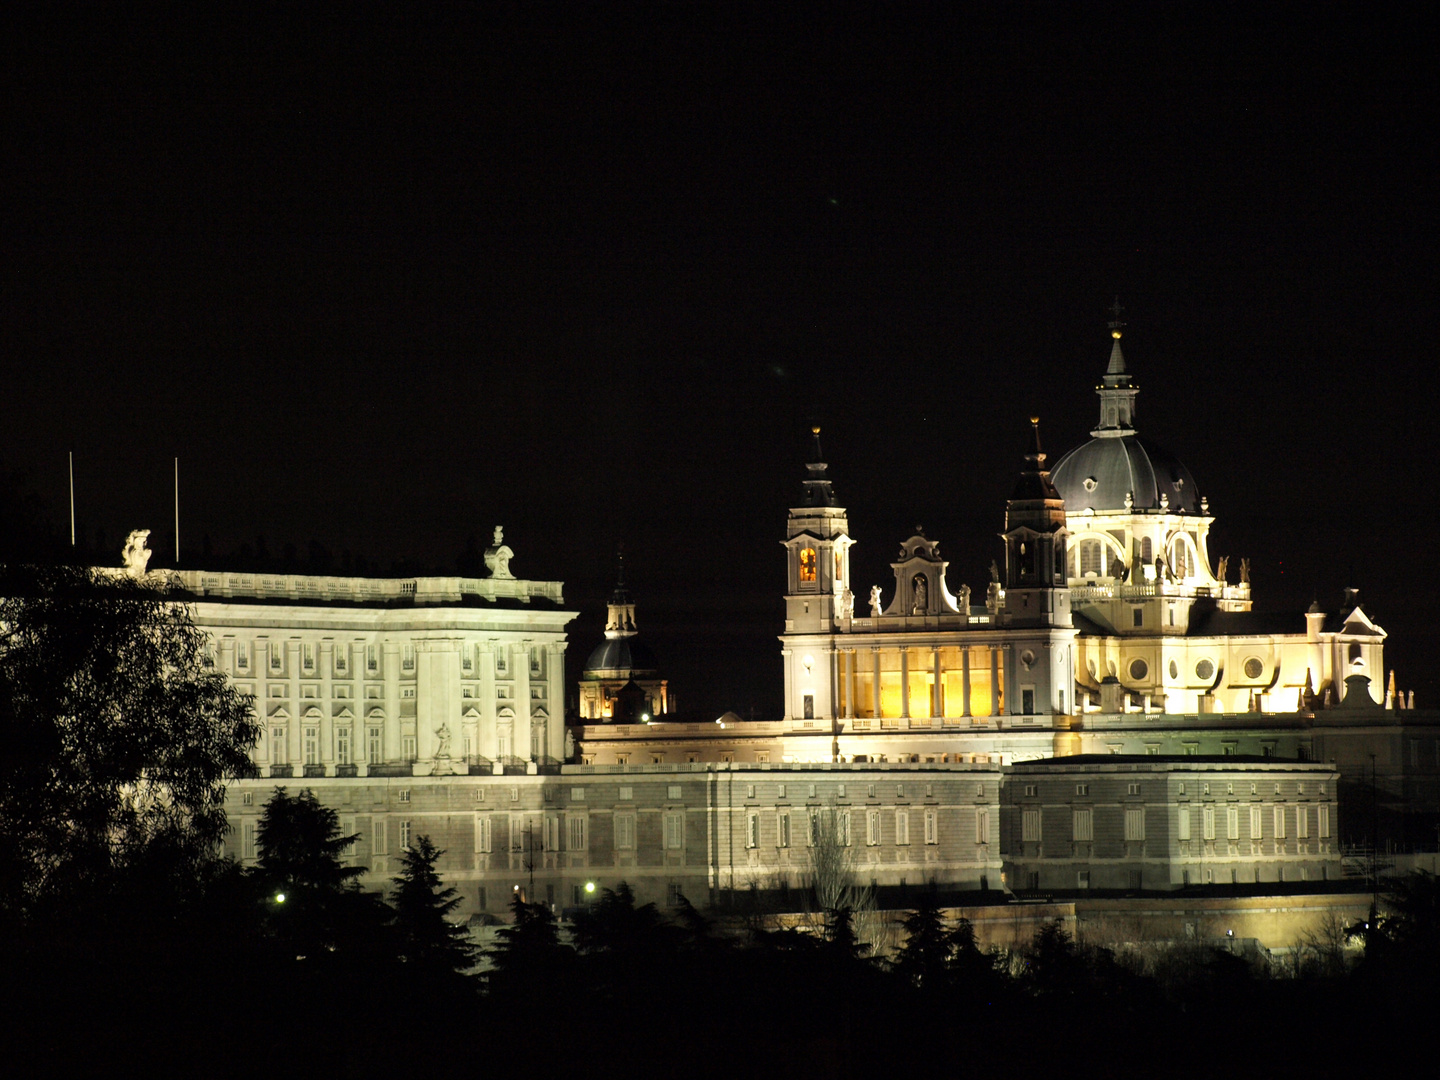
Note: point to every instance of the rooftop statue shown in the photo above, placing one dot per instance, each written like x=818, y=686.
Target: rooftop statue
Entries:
x=135, y=554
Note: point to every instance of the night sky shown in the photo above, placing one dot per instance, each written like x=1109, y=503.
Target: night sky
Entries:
x=386, y=276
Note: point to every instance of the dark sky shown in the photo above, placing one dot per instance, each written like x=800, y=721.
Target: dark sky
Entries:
x=386, y=276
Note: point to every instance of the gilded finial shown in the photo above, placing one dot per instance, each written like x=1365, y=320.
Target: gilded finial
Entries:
x=815, y=430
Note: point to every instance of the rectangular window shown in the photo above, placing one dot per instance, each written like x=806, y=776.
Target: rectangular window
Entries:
x=517, y=832
x=1027, y=702
x=627, y=793
x=1279, y=823
x=1322, y=814
x=248, y=798
x=1082, y=825
x=982, y=827
x=248, y=851
x=1302, y=822
x=277, y=656
x=341, y=663
x=405, y=835
x=675, y=831
x=932, y=831
x=577, y=794
x=1232, y=823
x=1137, y=617
x=1030, y=826
x=902, y=827
x=872, y=827
x=1031, y=790
x=809, y=706
x=372, y=658
x=278, y=755
x=342, y=746
x=242, y=655
x=1134, y=789
x=408, y=751
x=672, y=791
x=625, y=832
x=312, y=746
x=1207, y=821
x=842, y=827
x=1134, y=823
x=380, y=845
x=752, y=830
x=782, y=829
x=576, y=838
x=407, y=662
x=404, y=794
x=550, y=838
x=307, y=657
x=1184, y=822
x=1256, y=823
x=372, y=750
x=1082, y=789
x=482, y=833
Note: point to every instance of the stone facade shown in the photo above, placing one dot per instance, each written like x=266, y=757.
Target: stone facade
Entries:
x=1156, y=823
x=365, y=676
x=704, y=831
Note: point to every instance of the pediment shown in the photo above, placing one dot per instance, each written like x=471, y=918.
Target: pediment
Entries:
x=376, y=713
x=471, y=713
x=280, y=713
x=345, y=714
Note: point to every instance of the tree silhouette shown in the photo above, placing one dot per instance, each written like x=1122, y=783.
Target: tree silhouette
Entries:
x=427, y=937
x=119, y=735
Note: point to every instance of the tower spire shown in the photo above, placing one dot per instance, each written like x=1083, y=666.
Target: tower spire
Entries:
x=1117, y=391
x=818, y=491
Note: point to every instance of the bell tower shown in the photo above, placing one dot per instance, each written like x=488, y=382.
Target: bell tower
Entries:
x=1036, y=593
x=817, y=553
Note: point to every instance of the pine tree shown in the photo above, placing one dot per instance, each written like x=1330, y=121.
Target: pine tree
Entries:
x=924, y=960
x=427, y=936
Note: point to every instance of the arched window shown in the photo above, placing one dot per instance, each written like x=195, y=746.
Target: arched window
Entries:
x=1147, y=550
x=807, y=564
x=1090, y=558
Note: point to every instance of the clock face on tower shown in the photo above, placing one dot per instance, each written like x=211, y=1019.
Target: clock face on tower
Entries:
x=807, y=564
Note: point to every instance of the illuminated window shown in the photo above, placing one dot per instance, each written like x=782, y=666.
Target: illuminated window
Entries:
x=1147, y=550
x=839, y=568
x=807, y=564
x=1090, y=558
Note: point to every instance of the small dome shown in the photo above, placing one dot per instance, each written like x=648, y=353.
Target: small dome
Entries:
x=1098, y=474
x=620, y=654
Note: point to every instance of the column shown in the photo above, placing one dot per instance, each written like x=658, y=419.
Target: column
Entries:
x=937, y=690
x=555, y=695
x=325, y=658
x=297, y=719
x=875, y=651
x=832, y=656
x=488, y=744
x=905, y=683
x=390, y=670
x=360, y=736
x=850, y=676
x=520, y=669
x=965, y=677
x=994, y=681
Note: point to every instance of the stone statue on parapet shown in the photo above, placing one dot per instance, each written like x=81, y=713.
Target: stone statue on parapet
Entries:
x=498, y=556
x=135, y=554
x=1245, y=571
x=874, y=601
x=847, y=604
x=964, y=600
x=1224, y=566
x=994, y=571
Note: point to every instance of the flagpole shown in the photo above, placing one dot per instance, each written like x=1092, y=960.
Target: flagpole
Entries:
x=177, y=513
x=72, y=498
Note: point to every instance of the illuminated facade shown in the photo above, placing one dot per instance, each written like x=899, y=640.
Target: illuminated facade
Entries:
x=620, y=680
x=391, y=677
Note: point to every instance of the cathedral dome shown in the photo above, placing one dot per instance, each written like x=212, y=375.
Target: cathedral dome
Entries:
x=1098, y=475
x=621, y=654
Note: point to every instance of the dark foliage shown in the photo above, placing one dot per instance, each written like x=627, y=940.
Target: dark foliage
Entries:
x=422, y=906
x=118, y=738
